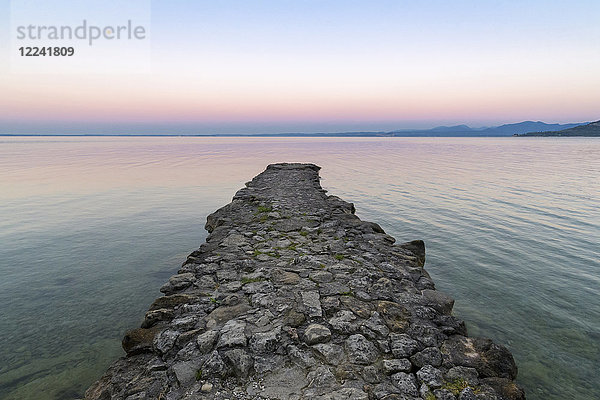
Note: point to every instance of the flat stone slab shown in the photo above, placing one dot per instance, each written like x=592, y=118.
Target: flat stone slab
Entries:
x=294, y=297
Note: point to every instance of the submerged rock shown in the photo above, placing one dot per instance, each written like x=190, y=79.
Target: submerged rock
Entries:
x=294, y=297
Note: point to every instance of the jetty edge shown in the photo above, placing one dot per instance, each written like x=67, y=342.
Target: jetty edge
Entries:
x=294, y=297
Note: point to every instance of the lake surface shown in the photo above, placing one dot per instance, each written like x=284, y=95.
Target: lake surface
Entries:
x=90, y=228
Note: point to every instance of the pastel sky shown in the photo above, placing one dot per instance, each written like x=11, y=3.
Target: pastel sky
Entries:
x=321, y=66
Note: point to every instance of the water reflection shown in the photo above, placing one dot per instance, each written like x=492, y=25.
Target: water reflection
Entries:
x=91, y=227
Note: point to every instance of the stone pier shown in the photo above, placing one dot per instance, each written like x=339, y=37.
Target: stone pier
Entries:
x=294, y=297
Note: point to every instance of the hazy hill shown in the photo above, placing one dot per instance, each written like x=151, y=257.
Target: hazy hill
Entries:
x=440, y=131
x=527, y=126
x=457, y=128
x=591, y=129
x=502, y=130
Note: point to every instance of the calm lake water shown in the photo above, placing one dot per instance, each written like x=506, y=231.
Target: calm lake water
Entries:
x=90, y=228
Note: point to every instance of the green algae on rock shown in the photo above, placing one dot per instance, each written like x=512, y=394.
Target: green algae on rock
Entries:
x=294, y=297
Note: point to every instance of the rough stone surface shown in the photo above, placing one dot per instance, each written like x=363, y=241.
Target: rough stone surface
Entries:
x=406, y=383
x=361, y=350
x=316, y=333
x=396, y=365
x=294, y=297
x=430, y=355
x=430, y=376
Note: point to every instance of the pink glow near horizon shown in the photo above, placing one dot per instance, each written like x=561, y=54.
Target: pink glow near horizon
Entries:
x=249, y=67
x=121, y=101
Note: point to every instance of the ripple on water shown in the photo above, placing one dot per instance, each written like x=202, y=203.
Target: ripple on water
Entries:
x=91, y=227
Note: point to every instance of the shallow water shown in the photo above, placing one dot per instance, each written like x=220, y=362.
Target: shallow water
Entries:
x=90, y=228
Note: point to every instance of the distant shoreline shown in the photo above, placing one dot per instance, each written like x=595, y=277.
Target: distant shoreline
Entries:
x=302, y=135
x=307, y=135
x=506, y=130
x=588, y=130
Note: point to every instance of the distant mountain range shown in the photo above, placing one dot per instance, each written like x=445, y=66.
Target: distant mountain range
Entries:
x=591, y=129
x=446, y=131
x=502, y=130
x=450, y=131
x=525, y=128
